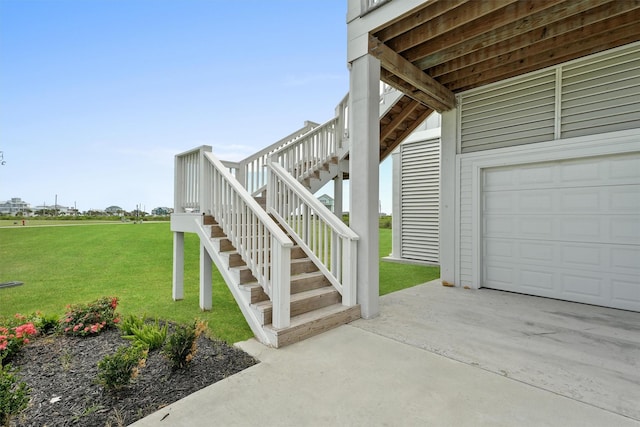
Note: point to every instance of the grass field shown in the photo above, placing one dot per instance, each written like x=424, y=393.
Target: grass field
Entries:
x=77, y=264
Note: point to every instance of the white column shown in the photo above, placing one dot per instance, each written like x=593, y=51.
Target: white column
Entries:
x=205, y=279
x=178, y=266
x=448, y=239
x=364, y=163
x=337, y=194
x=396, y=210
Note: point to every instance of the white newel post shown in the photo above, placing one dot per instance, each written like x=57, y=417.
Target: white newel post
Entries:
x=280, y=284
x=349, y=272
x=178, y=266
x=205, y=279
x=364, y=163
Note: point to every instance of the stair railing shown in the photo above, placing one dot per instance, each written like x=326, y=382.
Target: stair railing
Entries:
x=263, y=245
x=251, y=172
x=330, y=244
x=188, y=188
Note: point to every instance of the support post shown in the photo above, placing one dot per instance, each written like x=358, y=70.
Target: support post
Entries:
x=178, y=266
x=364, y=163
x=205, y=279
x=396, y=210
x=448, y=146
x=338, y=182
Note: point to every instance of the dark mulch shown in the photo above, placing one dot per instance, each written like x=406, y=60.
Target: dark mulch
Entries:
x=61, y=373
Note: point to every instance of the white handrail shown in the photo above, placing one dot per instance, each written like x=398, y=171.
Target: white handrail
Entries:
x=262, y=244
x=251, y=172
x=330, y=244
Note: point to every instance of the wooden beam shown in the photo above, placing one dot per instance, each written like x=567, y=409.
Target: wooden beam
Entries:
x=392, y=61
x=406, y=111
x=447, y=22
x=410, y=90
x=425, y=13
x=588, y=21
x=583, y=38
x=404, y=134
x=614, y=38
x=522, y=20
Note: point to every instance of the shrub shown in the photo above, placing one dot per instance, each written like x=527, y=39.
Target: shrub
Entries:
x=130, y=323
x=150, y=336
x=14, y=395
x=182, y=344
x=45, y=323
x=13, y=338
x=90, y=319
x=120, y=369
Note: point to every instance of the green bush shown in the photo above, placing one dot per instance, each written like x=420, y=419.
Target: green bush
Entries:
x=151, y=336
x=182, y=344
x=90, y=319
x=131, y=323
x=120, y=369
x=384, y=221
x=14, y=395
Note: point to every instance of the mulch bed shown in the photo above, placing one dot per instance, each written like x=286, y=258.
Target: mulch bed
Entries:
x=61, y=372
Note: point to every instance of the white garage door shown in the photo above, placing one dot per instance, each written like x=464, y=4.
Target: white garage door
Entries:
x=567, y=229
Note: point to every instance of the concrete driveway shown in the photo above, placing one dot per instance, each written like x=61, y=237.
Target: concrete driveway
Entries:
x=438, y=357
x=586, y=353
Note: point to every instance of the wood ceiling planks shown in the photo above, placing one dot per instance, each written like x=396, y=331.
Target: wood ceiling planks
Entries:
x=447, y=46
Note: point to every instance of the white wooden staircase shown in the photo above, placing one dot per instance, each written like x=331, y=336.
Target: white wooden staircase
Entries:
x=288, y=261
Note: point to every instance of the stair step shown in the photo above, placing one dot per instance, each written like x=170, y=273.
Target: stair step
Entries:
x=216, y=231
x=242, y=274
x=209, y=220
x=302, y=302
x=302, y=265
x=254, y=292
x=307, y=281
x=313, y=323
x=222, y=244
x=299, y=283
x=233, y=259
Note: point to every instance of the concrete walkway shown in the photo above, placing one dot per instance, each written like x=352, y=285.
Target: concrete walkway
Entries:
x=352, y=376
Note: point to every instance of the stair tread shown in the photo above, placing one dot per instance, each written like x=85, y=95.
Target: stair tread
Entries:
x=300, y=296
x=319, y=314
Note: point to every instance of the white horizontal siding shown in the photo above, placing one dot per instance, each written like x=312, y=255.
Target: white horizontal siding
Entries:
x=419, y=206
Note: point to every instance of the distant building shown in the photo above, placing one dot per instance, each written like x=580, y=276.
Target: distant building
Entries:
x=54, y=210
x=327, y=201
x=162, y=211
x=14, y=206
x=114, y=210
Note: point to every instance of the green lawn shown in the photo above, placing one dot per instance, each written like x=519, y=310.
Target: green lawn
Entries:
x=395, y=276
x=77, y=264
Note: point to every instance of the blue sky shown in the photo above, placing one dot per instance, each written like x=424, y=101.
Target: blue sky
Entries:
x=96, y=97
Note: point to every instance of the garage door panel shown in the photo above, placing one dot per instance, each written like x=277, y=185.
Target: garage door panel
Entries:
x=626, y=293
x=625, y=258
x=586, y=288
x=565, y=229
x=625, y=199
x=536, y=280
x=625, y=229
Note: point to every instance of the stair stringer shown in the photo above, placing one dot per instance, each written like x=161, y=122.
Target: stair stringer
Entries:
x=245, y=306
